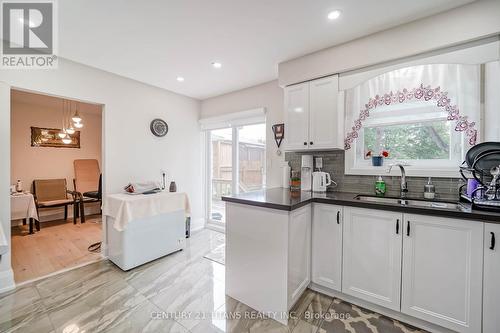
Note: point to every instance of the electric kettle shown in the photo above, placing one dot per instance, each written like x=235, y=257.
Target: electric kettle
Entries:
x=320, y=181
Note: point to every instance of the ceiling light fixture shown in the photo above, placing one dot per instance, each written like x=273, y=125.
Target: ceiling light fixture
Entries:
x=216, y=64
x=333, y=15
x=180, y=79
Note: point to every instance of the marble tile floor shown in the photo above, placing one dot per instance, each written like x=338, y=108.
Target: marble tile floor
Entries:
x=182, y=292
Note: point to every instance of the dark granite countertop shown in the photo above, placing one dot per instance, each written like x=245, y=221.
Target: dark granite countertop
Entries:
x=283, y=199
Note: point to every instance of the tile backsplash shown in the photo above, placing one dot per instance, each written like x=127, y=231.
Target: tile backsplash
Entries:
x=333, y=163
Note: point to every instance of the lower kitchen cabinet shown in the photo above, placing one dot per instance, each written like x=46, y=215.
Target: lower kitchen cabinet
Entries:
x=442, y=271
x=299, y=254
x=327, y=245
x=491, y=288
x=372, y=256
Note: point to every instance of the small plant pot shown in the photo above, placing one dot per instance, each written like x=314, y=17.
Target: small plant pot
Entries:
x=377, y=160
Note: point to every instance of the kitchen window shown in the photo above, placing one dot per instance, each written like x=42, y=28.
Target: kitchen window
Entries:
x=425, y=116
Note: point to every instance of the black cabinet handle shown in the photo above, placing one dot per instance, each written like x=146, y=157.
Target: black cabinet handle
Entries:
x=397, y=227
x=311, y=143
x=408, y=229
x=492, y=244
x=305, y=143
x=338, y=217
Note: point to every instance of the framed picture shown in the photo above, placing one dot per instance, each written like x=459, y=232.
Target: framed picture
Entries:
x=49, y=137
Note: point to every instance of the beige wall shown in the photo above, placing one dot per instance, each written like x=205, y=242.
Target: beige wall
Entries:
x=29, y=163
x=470, y=22
x=269, y=96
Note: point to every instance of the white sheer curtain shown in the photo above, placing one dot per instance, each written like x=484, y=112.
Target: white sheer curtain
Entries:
x=455, y=88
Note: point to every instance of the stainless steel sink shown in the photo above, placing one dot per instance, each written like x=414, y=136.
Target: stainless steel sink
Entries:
x=410, y=202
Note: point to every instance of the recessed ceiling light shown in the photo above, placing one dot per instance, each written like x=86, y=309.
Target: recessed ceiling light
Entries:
x=333, y=15
x=216, y=64
x=180, y=79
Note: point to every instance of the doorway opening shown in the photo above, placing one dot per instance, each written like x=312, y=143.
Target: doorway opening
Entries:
x=56, y=183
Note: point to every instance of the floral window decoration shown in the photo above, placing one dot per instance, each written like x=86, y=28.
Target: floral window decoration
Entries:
x=425, y=115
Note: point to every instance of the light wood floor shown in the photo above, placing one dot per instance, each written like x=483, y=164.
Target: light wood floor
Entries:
x=58, y=245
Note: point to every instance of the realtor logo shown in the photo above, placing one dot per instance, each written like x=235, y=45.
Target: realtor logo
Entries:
x=28, y=34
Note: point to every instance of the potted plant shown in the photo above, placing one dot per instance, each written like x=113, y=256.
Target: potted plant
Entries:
x=377, y=160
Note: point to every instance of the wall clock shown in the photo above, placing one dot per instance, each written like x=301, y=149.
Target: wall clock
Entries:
x=159, y=127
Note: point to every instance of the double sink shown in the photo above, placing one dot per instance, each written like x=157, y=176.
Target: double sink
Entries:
x=410, y=202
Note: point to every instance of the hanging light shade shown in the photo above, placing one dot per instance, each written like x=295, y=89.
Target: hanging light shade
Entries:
x=66, y=140
x=78, y=125
x=71, y=130
x=76, y=116
x=62, y=134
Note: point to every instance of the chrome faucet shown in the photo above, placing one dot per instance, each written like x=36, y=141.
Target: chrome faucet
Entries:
x=404, y=185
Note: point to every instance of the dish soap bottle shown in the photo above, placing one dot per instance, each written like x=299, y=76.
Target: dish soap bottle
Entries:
x=429, y=190
x=380, y=187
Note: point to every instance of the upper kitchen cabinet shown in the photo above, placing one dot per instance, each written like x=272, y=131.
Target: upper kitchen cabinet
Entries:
x=312, y=119
x=297, y=116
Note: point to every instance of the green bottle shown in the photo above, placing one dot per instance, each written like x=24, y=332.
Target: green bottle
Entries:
x=380, y=187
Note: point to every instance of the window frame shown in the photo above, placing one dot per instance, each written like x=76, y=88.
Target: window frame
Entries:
x=402, y=114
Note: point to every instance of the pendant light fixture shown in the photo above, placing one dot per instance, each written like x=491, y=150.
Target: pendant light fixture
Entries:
x=70, y=129
x=76, y=116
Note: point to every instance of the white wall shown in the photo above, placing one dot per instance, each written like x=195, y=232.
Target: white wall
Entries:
x=269, y=96
x=459, y=25
x=131, y=152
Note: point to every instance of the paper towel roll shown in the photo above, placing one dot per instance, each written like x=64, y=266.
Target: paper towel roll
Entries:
x=285, y=182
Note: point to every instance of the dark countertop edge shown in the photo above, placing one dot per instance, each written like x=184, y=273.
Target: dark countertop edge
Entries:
x=268, y=204
x=474, y=215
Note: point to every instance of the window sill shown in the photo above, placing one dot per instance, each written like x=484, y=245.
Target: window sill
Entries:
x=410, y=171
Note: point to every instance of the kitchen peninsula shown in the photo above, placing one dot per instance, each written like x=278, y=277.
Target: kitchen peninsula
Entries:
x=374, y=252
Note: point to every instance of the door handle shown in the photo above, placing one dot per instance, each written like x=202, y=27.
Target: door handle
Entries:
x=492, y=244
x=311, y=143
x=408, y=229
x=305, y=143
x=397, y=227
x=338, y=217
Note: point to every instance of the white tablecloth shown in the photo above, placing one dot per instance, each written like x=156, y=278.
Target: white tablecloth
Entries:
x=22, y=206
x=125, y=207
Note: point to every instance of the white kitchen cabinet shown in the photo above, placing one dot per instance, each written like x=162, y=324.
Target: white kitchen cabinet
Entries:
x=442, y=271
x=372, y=256
x=327, y=245
x=312, y=118
x=297, y=116
x=324, y=119
x=491, y=288
x=299, y=253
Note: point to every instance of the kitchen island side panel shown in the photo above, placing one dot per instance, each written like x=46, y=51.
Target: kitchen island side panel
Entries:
x=257, y=257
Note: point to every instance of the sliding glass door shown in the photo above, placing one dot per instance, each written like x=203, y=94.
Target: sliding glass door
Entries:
x=221, y=174
x=237, y=163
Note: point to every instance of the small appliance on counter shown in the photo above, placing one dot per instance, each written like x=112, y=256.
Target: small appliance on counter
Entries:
x=481, y=173
x=306, y=170
x=320, y=181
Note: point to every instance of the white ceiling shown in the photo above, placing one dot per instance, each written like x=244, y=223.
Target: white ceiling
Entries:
x=155, y=41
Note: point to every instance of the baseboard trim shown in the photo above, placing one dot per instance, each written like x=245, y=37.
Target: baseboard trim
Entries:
x=7, y=282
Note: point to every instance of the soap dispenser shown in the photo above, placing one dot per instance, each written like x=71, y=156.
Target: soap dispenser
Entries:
x=429, y=190
x=380, y=187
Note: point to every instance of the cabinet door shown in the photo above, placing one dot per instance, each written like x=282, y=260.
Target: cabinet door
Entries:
x=372, y=256
x=491, y=288
x=299, y=253
x=297, y=117
x=323, y=115
x=442, y=271
x=327, y=246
